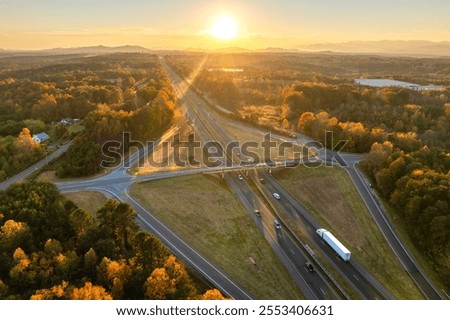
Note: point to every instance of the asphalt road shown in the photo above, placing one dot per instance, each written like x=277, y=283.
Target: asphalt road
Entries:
x=352, y=271
x=38, y=165
x=314, y=285
x=380, y=217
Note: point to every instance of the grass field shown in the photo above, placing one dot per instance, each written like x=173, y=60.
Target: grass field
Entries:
x=334, y=201
x=88, y=200
x=205, y=213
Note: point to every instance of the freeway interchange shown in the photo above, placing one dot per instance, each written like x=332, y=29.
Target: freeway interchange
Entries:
x=255, y=195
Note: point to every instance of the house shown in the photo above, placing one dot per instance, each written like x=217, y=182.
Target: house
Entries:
x=66, y=121
x=40, y=137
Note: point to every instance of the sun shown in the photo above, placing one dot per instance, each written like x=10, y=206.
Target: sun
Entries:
x=224, y=28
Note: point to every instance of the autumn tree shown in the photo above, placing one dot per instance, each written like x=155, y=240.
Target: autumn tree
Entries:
x=170, y=282
x=213, y=294
x=90, y=292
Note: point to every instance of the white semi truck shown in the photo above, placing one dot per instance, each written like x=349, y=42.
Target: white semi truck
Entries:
x=334, y=243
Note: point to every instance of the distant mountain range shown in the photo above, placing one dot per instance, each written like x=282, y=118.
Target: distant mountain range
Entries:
x=96, y=50
x=388, y=47
x=384, y=47
x=81, y=50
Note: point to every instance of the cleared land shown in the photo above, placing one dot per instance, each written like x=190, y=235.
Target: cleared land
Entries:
x=88, y=200
x=334, y=201
x=163, y=158
x=205, y=213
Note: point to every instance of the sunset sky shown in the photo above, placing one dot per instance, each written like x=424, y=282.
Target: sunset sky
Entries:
x=36, y=24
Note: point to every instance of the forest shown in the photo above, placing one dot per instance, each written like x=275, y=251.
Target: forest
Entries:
x=406, y=133
x=110, y=94
x=51, y=249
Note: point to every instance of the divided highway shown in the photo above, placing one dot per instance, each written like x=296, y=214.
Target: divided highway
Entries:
x=205, y=126
x=353, y=272
x=356, y=275
x=210, y=121
x=315, y=285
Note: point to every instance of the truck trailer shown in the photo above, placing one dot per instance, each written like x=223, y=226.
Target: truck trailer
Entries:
x=334, y=243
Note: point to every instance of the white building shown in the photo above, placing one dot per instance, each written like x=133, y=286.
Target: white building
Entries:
x=40, y=137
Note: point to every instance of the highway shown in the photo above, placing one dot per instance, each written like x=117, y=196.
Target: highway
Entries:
x=315, y=285
x=348, y=162
x=361, y=280
x=363, y=283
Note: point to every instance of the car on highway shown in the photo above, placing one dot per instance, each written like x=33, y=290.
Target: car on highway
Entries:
x=240, y=177
x=257, y=213
x=277, y=224
x=276, y=196
x=309, y=266
x=262, y=181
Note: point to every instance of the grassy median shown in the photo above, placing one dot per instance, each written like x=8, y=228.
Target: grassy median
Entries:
x=331, y=197
x=205, y=213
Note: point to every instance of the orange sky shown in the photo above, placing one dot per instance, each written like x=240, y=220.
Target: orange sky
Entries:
x=31, y=24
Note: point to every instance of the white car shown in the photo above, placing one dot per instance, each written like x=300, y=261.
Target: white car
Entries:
x=277, y=225
x=240, y=177
x=276, y=196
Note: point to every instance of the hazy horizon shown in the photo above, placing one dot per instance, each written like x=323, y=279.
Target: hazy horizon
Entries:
x=182, y=24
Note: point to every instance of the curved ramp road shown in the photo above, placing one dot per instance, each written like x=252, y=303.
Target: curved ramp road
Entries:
x=380, y=217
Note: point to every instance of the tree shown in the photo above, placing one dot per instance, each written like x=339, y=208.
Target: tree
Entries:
x=13, y=235
x=159, y=286
x=81, y=221
x=46, y=108
x=25, y=145
x=170, y=282
x=119, y=220
x=90, y=262
x=213, y=294
x=115, y=275
x=306, y=123
x=90, y=292
x=57, y=292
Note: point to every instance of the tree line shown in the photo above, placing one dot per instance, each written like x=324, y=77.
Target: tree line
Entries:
x=51, y=249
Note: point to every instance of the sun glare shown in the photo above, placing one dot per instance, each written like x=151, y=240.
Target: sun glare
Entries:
x=224, y=28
